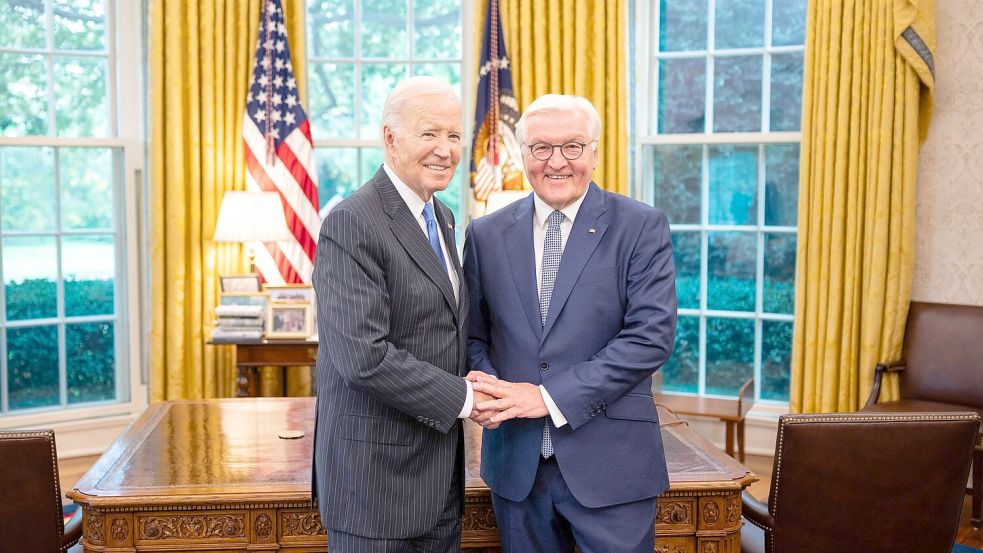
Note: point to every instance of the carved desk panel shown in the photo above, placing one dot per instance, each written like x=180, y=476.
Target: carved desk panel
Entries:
x=215, y=476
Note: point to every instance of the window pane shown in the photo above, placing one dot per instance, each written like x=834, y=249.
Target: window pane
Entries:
x=383, y=29
x=337, y=175
x=22, y=24
x=86, y=188
x=29, y=275
x=27, y=188
x=681, y=95
x=681, y=371
x=733, y=185
x=450, y=72
x=781, y=184
x=739, y=24
x=91, y=360
x=371, y=159
x=686, y=256
x=23, y=95
x=79, y=24
x=737, y=94
x=730, y=354
x=788, y=22
x=776, y=360
x=89, y=270
x=682, y=25
x=436, y=29
x=331, y=28
x=378, y=79
x=786, y=92
x=81, y=102
x=778, y=288
x=677, y=172
x=731, y=271
x=332, y=100
x=32, y=367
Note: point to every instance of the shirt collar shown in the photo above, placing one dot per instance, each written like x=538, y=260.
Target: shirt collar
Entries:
x=543, y=210
x=412, y=201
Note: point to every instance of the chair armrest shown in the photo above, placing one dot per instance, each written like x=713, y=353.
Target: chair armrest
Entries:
x=879, y=370
x=73, y=531
x=757, y=512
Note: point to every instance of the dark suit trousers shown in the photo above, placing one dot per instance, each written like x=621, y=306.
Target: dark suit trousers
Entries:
x=551, y=520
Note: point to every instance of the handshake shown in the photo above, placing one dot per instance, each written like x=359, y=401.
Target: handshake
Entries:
x=497, y=400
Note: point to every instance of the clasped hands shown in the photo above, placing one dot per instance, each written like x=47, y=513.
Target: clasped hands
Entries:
x=498, y=400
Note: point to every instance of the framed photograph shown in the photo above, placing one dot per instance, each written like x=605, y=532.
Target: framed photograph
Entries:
x=289, y=320
x=239, y=283
x=290, y=292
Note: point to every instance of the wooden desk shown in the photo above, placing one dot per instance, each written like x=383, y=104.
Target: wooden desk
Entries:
x=250, y=356
x=732, y=412
x=214, y=476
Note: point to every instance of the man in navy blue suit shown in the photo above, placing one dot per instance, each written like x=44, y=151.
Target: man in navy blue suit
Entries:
x=573, y=308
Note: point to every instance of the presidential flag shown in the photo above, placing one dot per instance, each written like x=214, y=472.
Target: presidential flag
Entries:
x=279, y=152
x=496, y=160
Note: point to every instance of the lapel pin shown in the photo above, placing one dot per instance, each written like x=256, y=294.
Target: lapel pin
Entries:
x=592, y=231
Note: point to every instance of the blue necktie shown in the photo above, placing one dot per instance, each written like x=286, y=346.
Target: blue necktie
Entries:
x=552, y=251
x=432, y=233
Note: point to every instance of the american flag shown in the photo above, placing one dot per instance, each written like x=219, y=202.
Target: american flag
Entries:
x=279, y=152
x=495, y=154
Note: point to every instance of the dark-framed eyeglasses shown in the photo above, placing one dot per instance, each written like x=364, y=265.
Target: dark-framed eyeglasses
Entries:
x=570, y=150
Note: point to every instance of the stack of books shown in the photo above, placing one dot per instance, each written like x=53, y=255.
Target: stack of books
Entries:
x=238, y=323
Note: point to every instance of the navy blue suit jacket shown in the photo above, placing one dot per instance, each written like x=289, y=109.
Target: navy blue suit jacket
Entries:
x=610, y=326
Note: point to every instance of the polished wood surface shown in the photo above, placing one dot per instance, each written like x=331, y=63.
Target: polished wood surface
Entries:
x=215, y=476
x=731, y=412
x=250, y=356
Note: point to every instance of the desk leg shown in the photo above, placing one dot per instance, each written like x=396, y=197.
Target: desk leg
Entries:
x=729, y=443
x=242, y=381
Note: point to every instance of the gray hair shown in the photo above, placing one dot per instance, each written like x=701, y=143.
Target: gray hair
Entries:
x=392, y=110
x=553, y=103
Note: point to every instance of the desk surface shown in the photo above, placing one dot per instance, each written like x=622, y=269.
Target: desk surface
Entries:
x=184, y=455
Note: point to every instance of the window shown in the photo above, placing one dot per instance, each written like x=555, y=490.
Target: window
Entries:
x=717, y=149
x=357, y=51
x=69, y=132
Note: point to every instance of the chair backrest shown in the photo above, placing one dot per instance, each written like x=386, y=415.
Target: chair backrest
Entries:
x=877, y=483
x=943, y=351
x=31, y=517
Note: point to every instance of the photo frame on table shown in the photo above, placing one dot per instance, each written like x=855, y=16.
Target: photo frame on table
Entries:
x=282, y=293
x=240, y=283
x=289, y=320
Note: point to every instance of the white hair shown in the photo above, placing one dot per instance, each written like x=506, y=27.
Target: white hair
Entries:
x=392, y=110
x=565, y=103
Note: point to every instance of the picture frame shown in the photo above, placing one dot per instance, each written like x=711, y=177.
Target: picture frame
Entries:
x=284, y=293
x=289, y=320
x=239, y=283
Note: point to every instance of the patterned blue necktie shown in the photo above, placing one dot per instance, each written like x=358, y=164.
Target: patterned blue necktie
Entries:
x=552, y=251
x=432, y=233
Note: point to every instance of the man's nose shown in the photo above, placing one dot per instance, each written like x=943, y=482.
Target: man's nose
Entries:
x=443, y=147
x=556, y=159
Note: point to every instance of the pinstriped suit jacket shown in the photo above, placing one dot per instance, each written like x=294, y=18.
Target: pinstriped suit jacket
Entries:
x=392, y=352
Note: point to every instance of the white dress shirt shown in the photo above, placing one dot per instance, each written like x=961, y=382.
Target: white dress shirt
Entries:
x=415, y=204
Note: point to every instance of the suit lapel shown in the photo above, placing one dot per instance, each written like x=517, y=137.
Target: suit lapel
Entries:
x=409, y=234
x=447, y=229
x=522, y=262
x=588, y=229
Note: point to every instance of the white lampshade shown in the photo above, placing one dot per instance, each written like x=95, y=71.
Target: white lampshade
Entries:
x=251, y=217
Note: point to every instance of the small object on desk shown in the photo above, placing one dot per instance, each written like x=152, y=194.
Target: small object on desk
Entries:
x=291, y=434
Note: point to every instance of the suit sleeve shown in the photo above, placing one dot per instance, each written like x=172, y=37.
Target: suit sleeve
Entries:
x=645, y=340
x=353, y=323
x=479, y=358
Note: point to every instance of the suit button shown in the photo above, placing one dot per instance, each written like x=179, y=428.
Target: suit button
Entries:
x=544, y=366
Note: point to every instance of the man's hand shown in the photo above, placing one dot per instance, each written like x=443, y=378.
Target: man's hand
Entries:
x=514, y=399
x=483, y=417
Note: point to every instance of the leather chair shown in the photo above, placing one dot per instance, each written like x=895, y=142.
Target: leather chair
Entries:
x=876, y=483
x=941, y=370
x=31, y=519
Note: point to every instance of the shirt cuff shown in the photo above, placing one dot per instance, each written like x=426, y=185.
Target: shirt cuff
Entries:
x=555, y=414
x=468, y=402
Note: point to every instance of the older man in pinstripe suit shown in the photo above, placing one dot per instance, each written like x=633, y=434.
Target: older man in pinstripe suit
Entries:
x=392, y=304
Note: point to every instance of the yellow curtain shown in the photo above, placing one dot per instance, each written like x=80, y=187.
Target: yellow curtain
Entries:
x=572, y=47
x=200, y=56
x=867, y=95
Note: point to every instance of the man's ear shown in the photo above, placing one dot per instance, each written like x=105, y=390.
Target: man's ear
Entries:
x=388, y=136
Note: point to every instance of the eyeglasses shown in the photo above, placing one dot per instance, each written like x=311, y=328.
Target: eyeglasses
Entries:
x=571, y=150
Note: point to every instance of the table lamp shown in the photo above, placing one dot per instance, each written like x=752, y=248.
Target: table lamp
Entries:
x=250, y=217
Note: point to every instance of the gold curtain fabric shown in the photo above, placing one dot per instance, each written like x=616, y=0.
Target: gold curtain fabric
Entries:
x=572, y=47
x=867, y=95
x=201, y=54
